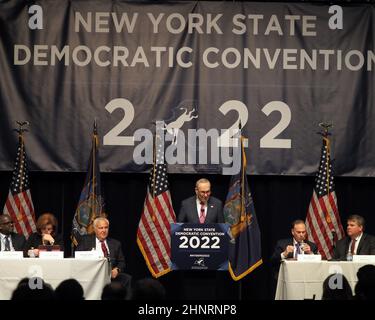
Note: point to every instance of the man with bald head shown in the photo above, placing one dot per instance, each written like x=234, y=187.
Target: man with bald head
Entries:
x=10, y=241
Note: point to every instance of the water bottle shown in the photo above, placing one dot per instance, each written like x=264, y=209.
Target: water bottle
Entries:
x=349, y=256
x=31, y=253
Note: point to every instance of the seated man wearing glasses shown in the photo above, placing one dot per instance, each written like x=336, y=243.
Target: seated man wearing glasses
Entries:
x=10, y=241
x=201, y=208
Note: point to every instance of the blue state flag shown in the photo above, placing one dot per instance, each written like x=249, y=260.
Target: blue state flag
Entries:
x=90, y=204
x=245, y=246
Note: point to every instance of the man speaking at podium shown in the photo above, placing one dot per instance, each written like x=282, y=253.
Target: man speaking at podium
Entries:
x=201, y=208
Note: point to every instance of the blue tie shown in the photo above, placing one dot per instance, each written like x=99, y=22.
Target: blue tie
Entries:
x=298, y=249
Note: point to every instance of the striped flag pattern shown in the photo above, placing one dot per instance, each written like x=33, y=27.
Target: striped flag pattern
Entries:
x=153, y=235
x=323, y=223
x=19, y=204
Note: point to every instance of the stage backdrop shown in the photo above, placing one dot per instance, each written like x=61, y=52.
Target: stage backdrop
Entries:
x=201, y=67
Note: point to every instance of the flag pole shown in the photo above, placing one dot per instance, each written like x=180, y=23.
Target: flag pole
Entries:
x=153, y=165
x=93, y=169
x=242, y=195
x=326, y=134
x=21, y=129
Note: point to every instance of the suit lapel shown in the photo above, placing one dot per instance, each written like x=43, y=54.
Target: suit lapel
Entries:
x=196, y=211
x=290, y=243
x=210, y=209
x=195, y=219
x=92, y=243
x=360, y=244
x=110, y=247
x=347, y=244
x=12, y=239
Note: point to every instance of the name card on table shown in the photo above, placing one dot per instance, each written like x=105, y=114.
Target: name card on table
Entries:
x=309, y=257
x=51, y=254
x=88, y=255
x=11, y=254
x=364, y=258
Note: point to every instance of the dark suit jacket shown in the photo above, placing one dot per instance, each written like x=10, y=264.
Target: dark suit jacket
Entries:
x=35, y=240
x=281, y=246
x=189, y=213
x=116, y=256
x=18, y=241
x=365, y=246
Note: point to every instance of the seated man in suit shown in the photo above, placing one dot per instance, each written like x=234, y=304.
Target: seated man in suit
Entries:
x=289, y=248
x=356, y=241
x=201, y=208
x=10, y=241
x=109, y=248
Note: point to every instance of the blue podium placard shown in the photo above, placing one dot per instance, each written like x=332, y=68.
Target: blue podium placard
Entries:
x=199, y=246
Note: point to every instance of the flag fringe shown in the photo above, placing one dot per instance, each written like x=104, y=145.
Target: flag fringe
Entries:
x=243, y=274
x=155, y=275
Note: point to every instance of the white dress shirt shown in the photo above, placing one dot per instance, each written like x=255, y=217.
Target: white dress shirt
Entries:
x=98, y=247
x=3, y=242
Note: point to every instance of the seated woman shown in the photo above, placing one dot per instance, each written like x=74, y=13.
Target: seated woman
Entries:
x=46, y=234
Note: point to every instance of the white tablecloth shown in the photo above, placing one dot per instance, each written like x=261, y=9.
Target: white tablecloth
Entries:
x=302, y=280
x=93, y=275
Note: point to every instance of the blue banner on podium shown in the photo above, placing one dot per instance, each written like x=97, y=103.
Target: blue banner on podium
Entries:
x=199, y=246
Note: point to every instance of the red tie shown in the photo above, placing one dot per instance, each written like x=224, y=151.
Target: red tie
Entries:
x=104, y=249
x=202, y=216
x=352, y=247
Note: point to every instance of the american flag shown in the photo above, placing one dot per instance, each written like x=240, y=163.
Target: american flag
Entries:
x=19, y=204
x=153, y=235
x=323, y=223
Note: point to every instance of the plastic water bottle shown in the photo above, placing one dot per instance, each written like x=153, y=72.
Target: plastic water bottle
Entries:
x=349, y=256
x=31, y=253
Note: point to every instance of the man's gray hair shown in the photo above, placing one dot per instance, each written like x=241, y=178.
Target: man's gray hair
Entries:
x=357, y=219
x=98, y=219
x=298, y=221
x=202, y=180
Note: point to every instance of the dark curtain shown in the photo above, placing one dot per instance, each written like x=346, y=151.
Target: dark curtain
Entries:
x=278, y=200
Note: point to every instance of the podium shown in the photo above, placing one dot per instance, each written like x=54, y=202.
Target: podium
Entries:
x=200, y=258
x=197, y=246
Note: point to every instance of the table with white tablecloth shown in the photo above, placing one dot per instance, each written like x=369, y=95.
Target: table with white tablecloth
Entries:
x=93, y=274
x=304, y=280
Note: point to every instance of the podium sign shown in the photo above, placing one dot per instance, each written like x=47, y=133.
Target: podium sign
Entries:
x=199, y=246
